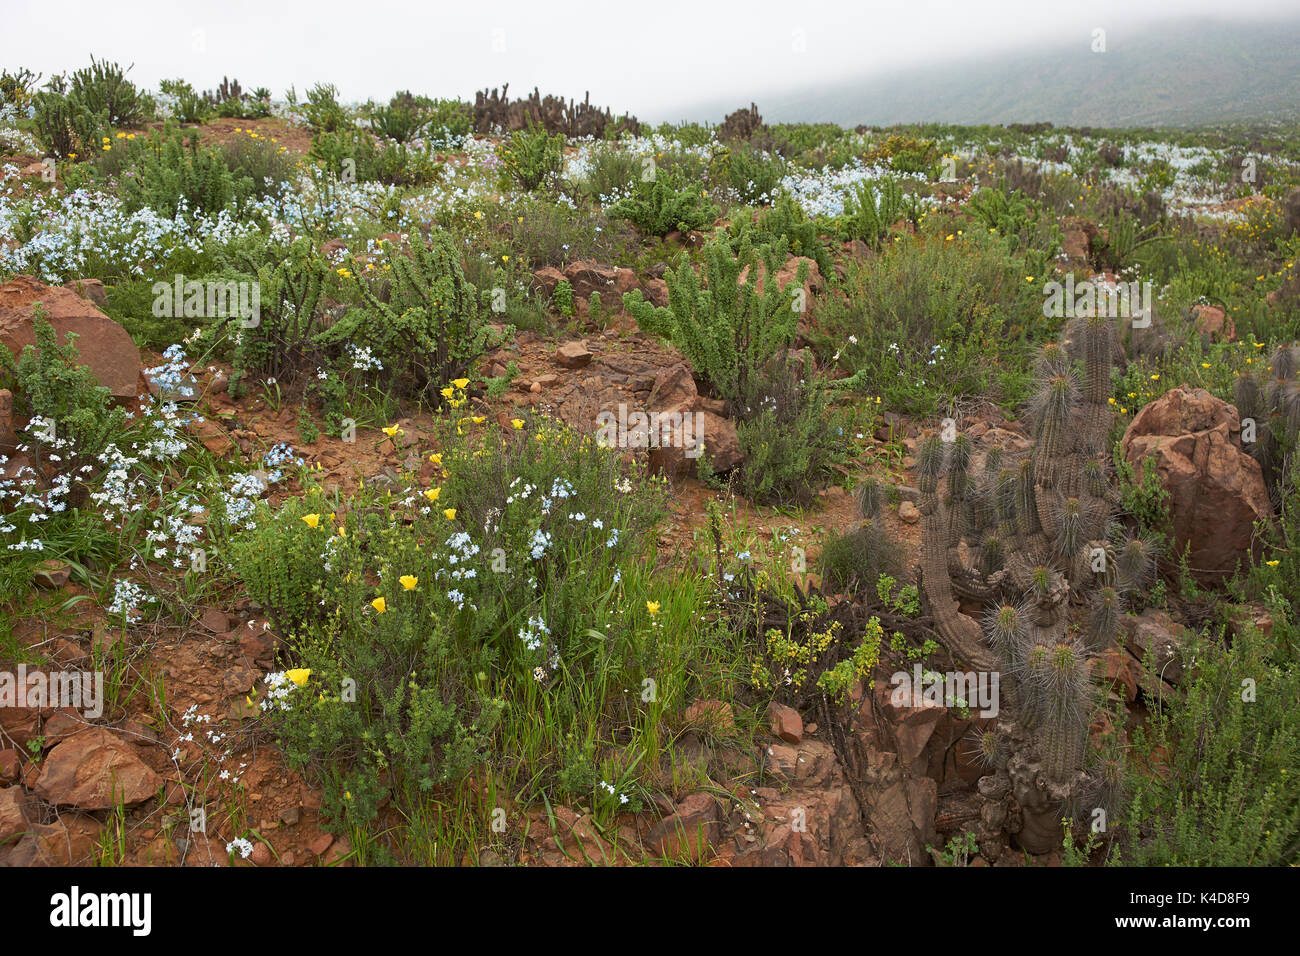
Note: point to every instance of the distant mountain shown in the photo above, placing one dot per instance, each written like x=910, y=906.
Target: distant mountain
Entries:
x=1172, y=74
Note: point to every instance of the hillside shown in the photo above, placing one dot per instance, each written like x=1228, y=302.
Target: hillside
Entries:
x=1196, y=72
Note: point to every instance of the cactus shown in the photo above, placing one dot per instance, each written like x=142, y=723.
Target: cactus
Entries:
x=1030, y=524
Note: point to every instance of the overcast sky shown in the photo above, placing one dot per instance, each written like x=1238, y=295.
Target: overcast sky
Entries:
x=652, y=59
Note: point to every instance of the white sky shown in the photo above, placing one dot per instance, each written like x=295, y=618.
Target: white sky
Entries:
x=652, y=58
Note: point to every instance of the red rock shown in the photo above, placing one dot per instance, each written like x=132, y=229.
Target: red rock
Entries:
x=95, y=770
x=13, y=819
x=548, y=278
x=10, y=765
x=1213, y=321
x=92, y=289
x=321, y=844
x=710, y=713
x=656, y=292
x=61, y=725
x=1216, y=490
x=70, y=841
x=8, y=428
x=1155, y=635
x=215, y=620
x=103, y=345
x=589, y=277
x=785, y=722
x=694, y=826
x=573, y=355
x=1114, y=668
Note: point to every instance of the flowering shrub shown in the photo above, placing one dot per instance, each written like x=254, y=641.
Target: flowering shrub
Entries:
x=499, y=574
x=429, y=326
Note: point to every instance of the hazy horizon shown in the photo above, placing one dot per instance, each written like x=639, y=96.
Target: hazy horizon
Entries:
x=661, y=65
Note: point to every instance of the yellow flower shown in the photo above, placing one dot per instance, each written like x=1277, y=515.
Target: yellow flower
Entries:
x=517, y=422
x=1111, y=400
x=449, y=514
x=390, y=431
x=311, y=520
x=1259, y=345
x=652, y=607
x=298, y=675
x=479, y=419
x=478, y=214
x=409, y=581
x=505, y=258
x=432, y=493
x=1272, y=564
x=379, y=604
x=460, y=382
x=446, y=392
x=1155, y=378
x=436, y=458
x=1205, y=365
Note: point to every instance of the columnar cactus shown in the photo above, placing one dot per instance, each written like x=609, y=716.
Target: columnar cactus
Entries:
x=1036, y=531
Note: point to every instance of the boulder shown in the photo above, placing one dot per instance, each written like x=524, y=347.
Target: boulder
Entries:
x=92, y=289
x=785, y=722
x=678, y=449
x=1154, y=634
x=13, y=818
x=573, y=355
x=8, y=431
x=1213, y=321
x=95, y=770
x=104, y=346
x=589, y=277
x=1216, y=490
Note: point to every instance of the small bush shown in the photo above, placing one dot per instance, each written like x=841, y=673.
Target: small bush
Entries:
x=727, y=330
x=531, y=158
x=425, y=322
x=657, y=207
x=172, y=173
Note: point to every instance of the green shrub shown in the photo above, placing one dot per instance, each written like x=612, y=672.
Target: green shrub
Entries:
x=727, y=330
x=531, y=159
x=172, y=172
x=789, y=437
x=322, y=111
x=102, y=89
x=753, y=176
x=1227, y=793
x=856, y=560
x=933, y=319
x=267, y=165
x=657, y=207
x=611, y=171
x=283, y=341
x=495, y=586
x=871, y=209
x=190, y=105
x=394, y=164
x=423, y=319
x=786, y=222
x=62, y=125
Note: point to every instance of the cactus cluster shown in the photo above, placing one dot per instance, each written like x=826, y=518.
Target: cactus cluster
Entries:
x=493, y=110
x=1273, y=404
x=1029, y=535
